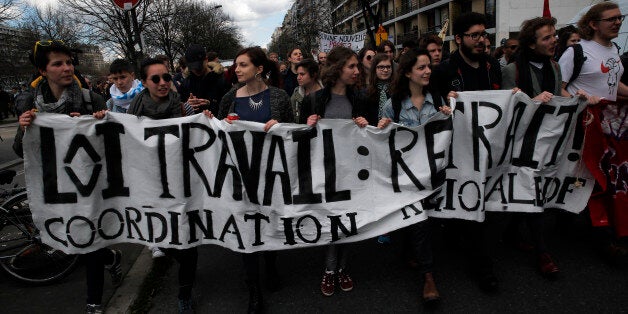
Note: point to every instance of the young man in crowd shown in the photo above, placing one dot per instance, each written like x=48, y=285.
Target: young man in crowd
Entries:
x=203, y=88
x=434, y=46
x=470, y=69
x=509, y=49
x=599, y=78
x=534, y=71
x=125, y=87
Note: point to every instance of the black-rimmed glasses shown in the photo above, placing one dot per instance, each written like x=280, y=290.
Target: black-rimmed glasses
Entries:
x=613, y=19
x=477, y=35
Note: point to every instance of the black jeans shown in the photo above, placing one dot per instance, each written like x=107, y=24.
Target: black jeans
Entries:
x=187, y=259
x=418, y=238
x=95, y=267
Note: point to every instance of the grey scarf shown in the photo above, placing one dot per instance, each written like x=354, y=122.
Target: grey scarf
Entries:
x=71, y=99
x=144, y=105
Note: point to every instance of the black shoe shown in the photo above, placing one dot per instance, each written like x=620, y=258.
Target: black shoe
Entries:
x=115, y=269
x=256, y=303
x=488, y=282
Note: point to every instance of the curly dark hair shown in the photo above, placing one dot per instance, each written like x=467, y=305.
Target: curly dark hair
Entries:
x=527, y=33
x=466, y=20
x=311, y=67
x=563, y=36
x=336, y=60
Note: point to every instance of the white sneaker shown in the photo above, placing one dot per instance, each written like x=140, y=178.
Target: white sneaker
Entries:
x=157, y=253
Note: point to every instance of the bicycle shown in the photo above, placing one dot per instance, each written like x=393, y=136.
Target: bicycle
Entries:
x=22, y=254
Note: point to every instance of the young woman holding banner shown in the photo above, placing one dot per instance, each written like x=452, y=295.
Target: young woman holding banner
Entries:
x=255, y=99
x=57, y=90
x=337, y=100
x=412, y=103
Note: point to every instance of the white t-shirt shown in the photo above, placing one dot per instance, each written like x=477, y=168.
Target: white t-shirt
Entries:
x=600, y=72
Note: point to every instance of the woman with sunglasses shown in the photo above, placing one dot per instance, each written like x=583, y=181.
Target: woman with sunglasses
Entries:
x=256, y=99
x=412, y=104
x=158, y=101
x=57, y=90
x=365, y=55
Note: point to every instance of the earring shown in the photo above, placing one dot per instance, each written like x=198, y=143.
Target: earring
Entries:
x=258, y=76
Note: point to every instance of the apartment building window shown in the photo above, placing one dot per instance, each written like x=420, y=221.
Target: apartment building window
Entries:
x=466, y=5
x=489, y=10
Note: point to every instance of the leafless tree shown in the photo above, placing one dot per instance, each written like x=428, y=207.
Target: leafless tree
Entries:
x=54, y=23
x=206, y=24
x=8, y=10
x=110, y=27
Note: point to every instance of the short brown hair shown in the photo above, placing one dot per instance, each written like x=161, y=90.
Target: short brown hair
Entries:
x=527, y=34
x=593, y=15
x=429, y=39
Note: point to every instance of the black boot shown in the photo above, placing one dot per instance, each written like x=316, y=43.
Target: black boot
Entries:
x=256, y=303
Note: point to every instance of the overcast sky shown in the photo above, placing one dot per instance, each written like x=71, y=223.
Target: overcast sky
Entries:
x=257, y=19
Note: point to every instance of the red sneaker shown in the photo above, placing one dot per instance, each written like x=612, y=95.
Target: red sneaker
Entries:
x=328, y=283
x=346, y=283
x=547, y=267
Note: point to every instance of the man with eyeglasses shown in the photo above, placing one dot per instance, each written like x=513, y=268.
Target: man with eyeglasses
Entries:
x=599, y=78
x=510, y=47
x=203, y=88
x=470, y=69
x=602, y=68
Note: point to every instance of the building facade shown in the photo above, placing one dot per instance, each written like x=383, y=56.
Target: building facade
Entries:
x=411, y=19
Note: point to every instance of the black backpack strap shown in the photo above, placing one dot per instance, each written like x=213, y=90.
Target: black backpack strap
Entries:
x=578, y=62
x=312, y=103
x=396, y=105
x=438, y=101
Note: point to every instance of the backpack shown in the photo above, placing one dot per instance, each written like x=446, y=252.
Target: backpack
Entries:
x=396, y=105
x=579, y=59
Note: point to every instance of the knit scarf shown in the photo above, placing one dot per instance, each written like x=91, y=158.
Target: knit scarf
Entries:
x=382, y=87
x=144, y=105
x=71, y=100
x=123, y=100
x=523, y=60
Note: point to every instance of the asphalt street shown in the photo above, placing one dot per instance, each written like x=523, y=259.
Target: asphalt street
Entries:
x=384, y=284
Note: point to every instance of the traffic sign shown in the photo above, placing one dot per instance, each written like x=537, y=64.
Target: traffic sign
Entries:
x=381, y=35
x=126, y=4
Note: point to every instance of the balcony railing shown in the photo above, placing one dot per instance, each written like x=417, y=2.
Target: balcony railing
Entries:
x=423, y=3
x=407, y=8
x=407, y=36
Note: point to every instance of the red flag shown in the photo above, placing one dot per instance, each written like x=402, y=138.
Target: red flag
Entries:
x=546, y=10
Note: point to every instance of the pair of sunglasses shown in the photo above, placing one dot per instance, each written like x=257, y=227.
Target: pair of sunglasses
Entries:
x=46, y=43
x=156, y=78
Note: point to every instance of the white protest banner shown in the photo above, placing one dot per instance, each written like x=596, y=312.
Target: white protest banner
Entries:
x=328, y=41
x=189, y=181
x=510, y=154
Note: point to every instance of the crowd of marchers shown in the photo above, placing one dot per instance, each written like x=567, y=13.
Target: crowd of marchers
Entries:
x=376, y=86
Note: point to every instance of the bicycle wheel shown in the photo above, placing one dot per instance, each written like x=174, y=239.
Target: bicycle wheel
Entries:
x=23, y=256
